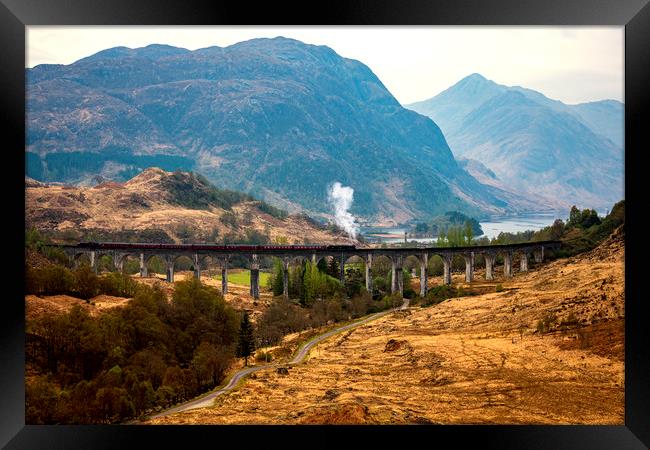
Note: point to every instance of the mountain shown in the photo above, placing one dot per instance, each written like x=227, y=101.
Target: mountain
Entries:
x=156, y=205
x=276, y=118
x=570, y=154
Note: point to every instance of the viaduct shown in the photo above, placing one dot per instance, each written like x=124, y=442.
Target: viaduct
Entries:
x=201, y=253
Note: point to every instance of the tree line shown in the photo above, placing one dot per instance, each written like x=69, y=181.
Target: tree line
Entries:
x=131, y=360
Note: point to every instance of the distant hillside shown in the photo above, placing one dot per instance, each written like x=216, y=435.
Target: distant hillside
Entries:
x=570, y=154
x=276, y=118
x=161, y=206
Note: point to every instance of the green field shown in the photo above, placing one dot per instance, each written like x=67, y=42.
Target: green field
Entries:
x=243, y=277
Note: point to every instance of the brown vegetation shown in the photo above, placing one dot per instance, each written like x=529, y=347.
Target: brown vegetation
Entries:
x=478, y=359
x=145, y=207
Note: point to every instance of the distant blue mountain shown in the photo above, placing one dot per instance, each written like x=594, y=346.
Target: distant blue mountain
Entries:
x=276, y=118
x=571, y=154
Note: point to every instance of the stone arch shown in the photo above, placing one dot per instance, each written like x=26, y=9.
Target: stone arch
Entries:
x=412, y=262
x=354, y=261
x=105, y=261
x=523, y=257
x=320, y=257
x=353, y=270
x=159, y=265
x=417, y=267
x=205, y=261
x=79, y=257
x=182, y=262
x=435, y=265
x=122, y=259
x=447, y=259
x=381, y=273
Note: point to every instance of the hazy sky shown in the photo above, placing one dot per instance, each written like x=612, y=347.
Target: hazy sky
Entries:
x=571, y=64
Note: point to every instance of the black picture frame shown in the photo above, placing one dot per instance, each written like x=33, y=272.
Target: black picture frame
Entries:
x=16, y=14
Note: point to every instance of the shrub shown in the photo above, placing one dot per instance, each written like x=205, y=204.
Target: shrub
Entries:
x=546, y=322
x=360, y=304
x=498, y=288
x=570, y=320
x=229, y=219
x=393, y=300
x=272, y=210
x=49, y=280
x=117, y=284
x=262, y=356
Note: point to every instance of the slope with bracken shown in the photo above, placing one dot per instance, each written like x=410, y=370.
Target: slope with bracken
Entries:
x=546, y=349
x=162, y=206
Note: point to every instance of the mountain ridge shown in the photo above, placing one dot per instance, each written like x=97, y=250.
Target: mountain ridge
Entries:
x=532, y=143
x=276, y=118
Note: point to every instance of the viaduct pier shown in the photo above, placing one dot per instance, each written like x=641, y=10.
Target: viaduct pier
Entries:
x=201, y=254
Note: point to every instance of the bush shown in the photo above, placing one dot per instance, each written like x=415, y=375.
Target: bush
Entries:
x=262, y=356
x=393, y=300
x=117, y=284
x=229, y=219
x=272, y=210
x=281, y=318
x=546, y=323
x=438, y=294
x=86, y=282
x=570, y=321
x=49, y=280
x=360, y=304
x=498, y=288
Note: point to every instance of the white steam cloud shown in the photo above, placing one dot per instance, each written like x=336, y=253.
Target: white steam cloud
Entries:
x=341, y=198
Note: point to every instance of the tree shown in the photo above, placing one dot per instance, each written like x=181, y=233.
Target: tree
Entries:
x=276, y=281
x=574, y=216
x=246, y=343
x=333, y=268
x=441, y=241
x=469, y=232
x=557, y=229
x=421, y=227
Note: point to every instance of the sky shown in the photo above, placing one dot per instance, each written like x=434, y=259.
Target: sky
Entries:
x=571, y=64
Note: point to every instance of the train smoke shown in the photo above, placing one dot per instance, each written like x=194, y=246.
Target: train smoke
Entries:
x=341, y=198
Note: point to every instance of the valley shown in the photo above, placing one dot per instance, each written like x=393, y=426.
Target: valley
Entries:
x=433, y=262
x=481, y=359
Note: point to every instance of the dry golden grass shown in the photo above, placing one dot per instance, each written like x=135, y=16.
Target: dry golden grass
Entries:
x=141, y=204
x=476, y=360
x=58, y=304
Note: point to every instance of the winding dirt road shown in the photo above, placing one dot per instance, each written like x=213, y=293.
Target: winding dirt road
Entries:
x=207, y=400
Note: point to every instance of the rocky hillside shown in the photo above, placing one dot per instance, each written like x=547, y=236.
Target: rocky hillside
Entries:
x=570, y=154
x=160, y=206
x=276, y=118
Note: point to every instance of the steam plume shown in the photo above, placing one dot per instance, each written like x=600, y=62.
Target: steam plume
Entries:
x=341, y=198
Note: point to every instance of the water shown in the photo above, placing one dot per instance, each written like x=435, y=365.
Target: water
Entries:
x=491, y=228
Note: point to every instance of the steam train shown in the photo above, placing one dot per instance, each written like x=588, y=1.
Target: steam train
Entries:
x=225, y=248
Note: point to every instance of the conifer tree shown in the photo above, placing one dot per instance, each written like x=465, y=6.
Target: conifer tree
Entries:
x=246, y=342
